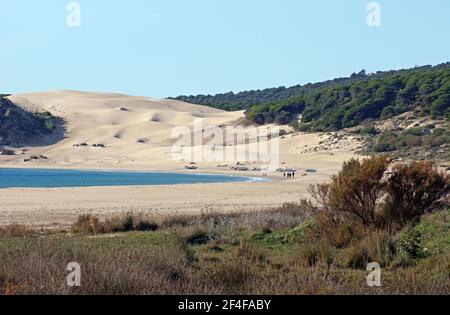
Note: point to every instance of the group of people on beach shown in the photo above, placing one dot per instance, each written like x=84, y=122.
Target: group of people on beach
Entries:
x=289, y=175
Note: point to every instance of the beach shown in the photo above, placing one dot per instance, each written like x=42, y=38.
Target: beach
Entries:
x=135, y=134
x=59, y=207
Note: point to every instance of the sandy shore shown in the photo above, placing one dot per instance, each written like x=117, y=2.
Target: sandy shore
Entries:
x=59, y=207
x=136, y=134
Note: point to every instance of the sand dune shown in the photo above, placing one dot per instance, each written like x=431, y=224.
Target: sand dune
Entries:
x=136, y=133
x=135, y=130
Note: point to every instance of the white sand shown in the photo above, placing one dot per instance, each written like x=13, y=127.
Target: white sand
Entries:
x=137, y=134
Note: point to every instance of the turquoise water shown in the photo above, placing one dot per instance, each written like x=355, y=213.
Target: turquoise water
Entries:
x=53, y=178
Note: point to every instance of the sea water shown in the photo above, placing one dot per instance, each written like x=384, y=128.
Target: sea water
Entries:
x=53, y=178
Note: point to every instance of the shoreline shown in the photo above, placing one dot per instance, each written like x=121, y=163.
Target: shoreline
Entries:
x=51, y=208
x=58, y=208
x=208, y=171
x=244, y=178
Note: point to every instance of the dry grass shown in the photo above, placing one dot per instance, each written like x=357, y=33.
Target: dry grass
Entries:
x=169, y=272
x=288, y=215
x=40, y=269
x=293, y=249
x=91, y=224
x=214, y=253
x=379, y=246
x=15, y=230
x=193, y=260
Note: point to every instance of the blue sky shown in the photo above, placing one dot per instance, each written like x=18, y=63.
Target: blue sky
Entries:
x=170, y=47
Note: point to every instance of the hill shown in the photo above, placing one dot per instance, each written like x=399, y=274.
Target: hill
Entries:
x=106, y=129
x=243, y=100
x=343, y=102
x=18, y=126
x=375, y=97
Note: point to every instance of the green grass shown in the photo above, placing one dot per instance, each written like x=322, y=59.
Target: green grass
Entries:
x=430, y=142
x=238, y=260
x=434, y=231
x=285, y=238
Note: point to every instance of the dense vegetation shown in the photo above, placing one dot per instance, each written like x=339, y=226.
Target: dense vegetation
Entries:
x=348, y=105
x=401, y=222
x=343, y=102
x=238, y=101
x=413, y=137
x=408, y=136
x=18, y=126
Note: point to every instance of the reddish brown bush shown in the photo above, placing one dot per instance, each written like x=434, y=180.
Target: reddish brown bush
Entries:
x=414, y=190
x=361, y=197
x=91, y=224
x=15, y=230
x=357, y=188
x=347, y=204
x=86, y=223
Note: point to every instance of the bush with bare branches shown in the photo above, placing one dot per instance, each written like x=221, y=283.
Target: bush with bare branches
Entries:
x=414, y=190
x=361, y=197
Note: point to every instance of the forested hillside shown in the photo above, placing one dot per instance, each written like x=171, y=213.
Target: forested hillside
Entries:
x=244, y=100
x=344, y=102
x=348, y=105
x=18, y=126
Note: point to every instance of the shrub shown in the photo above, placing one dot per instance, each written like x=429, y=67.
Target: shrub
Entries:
x=383, y=147
x=86, y=223
x=368, y=130
x=386, y=143
x=353, y=193
x=414, y=132
x=379, y=247
x=15, y=230
x=346, y=232
x=361, y=198
x=413, y=190
x=144, y=225
x=111, y=225
x=409, y=141
x=7, y=152
x=388, y=112
x=410, y=245
x=336, y=229
x=439, y=132
x=414, y=137
x=198, y=237
x=304, y=127
x=301, y=233
x=232, y=275
x=91, y=224
x=437, y=138
x=8, y=286
x=320, y=252
x=178, y=220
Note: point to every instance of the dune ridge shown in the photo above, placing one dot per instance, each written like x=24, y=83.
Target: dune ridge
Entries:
x=134, y=130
